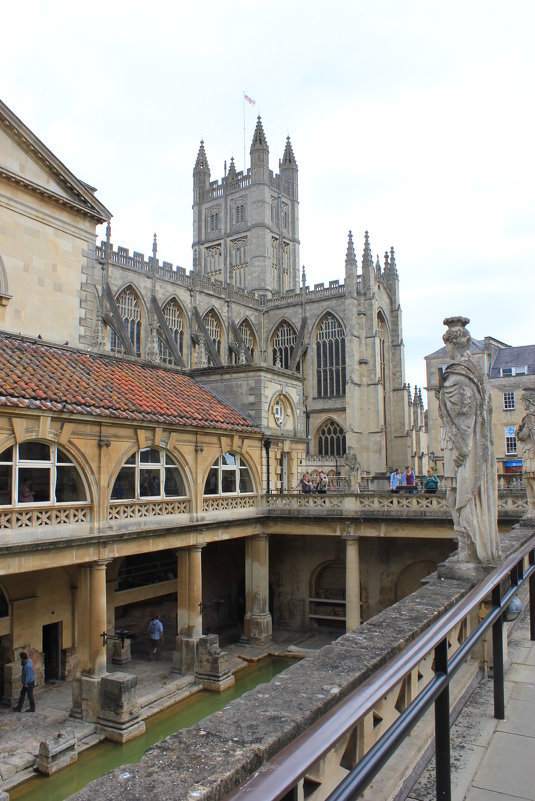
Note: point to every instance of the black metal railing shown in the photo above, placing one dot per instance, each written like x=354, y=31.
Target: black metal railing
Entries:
x=278, y=779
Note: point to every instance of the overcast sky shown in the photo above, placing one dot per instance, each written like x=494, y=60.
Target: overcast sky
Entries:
x=412, y=120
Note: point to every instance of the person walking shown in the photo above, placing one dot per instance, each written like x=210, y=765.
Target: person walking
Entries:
x=28, y=682
x=156, y=635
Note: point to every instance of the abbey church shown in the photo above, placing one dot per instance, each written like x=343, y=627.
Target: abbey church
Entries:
x=151, y=417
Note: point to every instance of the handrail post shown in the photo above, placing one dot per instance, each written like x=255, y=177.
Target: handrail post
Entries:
x=497, y=657
x=532, y=597
x=442, y=727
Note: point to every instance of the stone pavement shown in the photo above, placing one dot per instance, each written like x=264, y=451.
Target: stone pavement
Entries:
x=494, y=760
x=157, y=688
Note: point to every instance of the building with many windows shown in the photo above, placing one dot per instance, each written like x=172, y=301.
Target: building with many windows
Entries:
x=510, y=371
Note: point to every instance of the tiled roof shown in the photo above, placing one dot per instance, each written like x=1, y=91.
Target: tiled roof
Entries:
x=55, y=379
x=517, y=357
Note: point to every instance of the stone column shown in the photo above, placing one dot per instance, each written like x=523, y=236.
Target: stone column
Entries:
x=189, y=612
x=257, y=623
x=97, y=618
x=352, y=582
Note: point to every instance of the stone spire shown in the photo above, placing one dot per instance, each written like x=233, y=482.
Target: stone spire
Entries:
x=378, y=266
x=231, y=175
x=387, y=263
x=288, y=158
x=201, y=175
x=154, y=247
x=351, y=267
x=259, y=155
x=259, y=137
x=367, y=264
x=393, y=263
x=201, y=165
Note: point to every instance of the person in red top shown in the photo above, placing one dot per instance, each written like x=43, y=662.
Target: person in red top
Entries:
x=408, y=479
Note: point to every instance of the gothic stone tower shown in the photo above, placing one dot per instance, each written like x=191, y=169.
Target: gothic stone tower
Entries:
x=246, y=227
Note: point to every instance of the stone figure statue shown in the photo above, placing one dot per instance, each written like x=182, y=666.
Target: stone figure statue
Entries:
x=526, y=435
x=352, y=469
x=465, y=408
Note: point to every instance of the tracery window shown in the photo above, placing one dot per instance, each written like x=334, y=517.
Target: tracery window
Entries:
x=239, y=213
x=248, y=340
x=130, y=312
x=173, y=318
x=149, y=473
x=330, y=358
x=283, y=346
x=37, y=472
x=229, y=474
x=331, y=439
x=214, y=332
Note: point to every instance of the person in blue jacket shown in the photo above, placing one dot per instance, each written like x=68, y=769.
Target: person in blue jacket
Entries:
x=28, y=682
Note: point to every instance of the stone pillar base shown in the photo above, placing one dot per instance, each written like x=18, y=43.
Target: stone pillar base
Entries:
x=57, y=752
x=213, y=668
x=456, y=568
x=86, y=698
x=184, y=657
x=119, y=709
x=257, y=629
x=120, y=654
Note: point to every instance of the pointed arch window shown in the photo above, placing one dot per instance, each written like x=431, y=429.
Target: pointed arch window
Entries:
x=330, y=358
x=130, y=312
x=284, y=341
x=248, y=340
x=331, y=439
x=214, y=332
x=175, y=322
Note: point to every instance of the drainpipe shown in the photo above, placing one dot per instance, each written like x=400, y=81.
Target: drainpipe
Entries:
x=267, y=446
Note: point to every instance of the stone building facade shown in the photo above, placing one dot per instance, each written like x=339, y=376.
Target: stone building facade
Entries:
x=120, y=490
x=511, y=370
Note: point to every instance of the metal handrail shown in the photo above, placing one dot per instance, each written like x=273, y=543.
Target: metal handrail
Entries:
x=281, y=774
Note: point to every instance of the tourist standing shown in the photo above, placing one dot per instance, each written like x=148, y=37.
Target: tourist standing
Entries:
x=408, y=479
x=28, y=682
x=305, y=484
x=430, y=481
x=321, y=485
x=395, y=480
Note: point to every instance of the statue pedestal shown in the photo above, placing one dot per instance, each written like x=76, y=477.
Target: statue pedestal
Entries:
x=461, y=570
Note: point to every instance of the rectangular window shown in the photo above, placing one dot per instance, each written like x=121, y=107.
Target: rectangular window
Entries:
x=506, y=371
x=508, y=400
x=510, y=440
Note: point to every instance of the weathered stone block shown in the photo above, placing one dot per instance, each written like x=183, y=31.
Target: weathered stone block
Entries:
x=57, y=752
x=184, y=657
x=120, y=652
x=69, y=663
x=213, y=669
x=119, y=708
x=86, y=698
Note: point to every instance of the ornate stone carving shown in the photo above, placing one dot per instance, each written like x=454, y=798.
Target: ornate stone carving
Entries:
x=465, y=408
x=526, y=435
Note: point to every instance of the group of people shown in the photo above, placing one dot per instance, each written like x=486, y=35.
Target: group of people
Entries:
x=307, y=485
x=406, y=481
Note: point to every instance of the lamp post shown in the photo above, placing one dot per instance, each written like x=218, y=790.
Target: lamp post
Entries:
x=267, y=446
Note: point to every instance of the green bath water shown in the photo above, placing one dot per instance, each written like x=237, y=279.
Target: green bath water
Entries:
x=106, y=756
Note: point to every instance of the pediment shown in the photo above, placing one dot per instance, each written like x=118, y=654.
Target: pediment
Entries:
x=14, y=158
x=25, y=160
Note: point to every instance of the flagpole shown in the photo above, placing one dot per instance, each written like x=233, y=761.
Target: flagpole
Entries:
x=244, y=167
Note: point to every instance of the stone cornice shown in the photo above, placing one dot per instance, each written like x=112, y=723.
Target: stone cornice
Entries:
x=83, y=199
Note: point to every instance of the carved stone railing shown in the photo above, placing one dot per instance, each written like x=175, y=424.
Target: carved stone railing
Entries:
x=129, y=510
x=219, y=504
x=59, y=515
x=511, y=505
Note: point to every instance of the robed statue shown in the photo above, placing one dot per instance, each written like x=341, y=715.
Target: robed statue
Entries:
x=465, y=408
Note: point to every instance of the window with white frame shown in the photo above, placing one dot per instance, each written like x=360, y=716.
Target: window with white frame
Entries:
x=38, y=472
x=229, y=474
x=508, y=400
x=149, y=473
x=510, y=440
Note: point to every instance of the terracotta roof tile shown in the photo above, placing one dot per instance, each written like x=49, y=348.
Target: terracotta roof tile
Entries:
x=41, y=376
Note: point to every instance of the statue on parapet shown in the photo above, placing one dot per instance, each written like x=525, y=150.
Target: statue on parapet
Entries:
x=352, y=470
x=465, y=408
x=525, y=433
